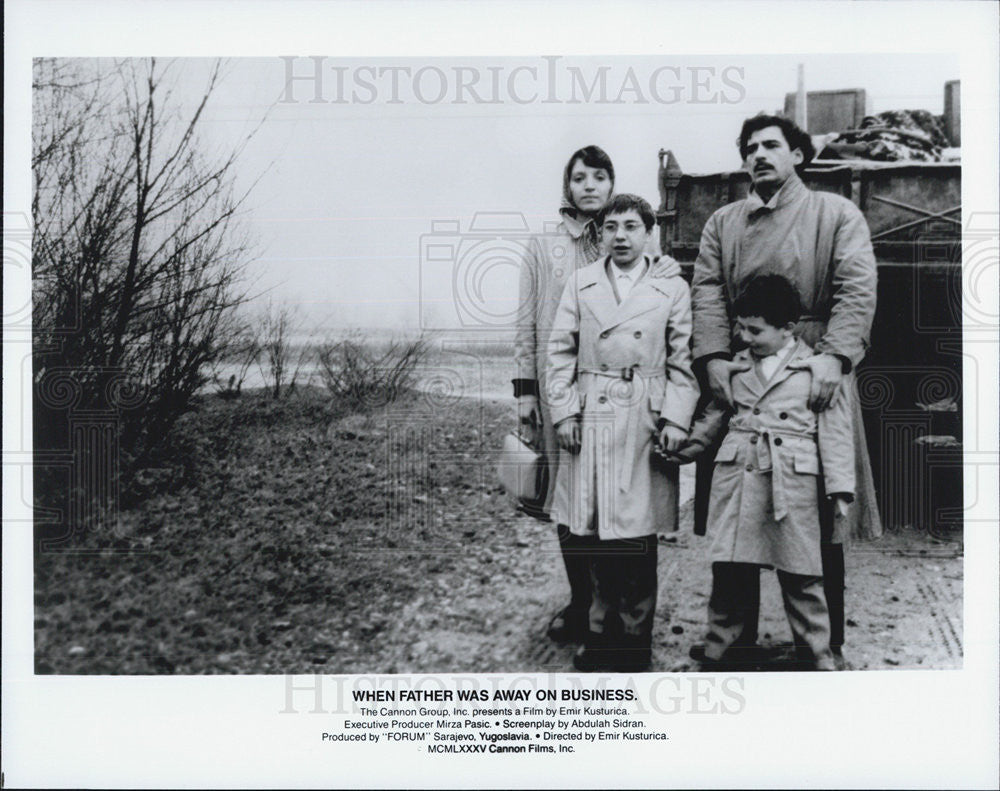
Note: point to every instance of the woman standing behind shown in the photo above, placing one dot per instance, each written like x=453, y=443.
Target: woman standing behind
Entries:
x=588, y=182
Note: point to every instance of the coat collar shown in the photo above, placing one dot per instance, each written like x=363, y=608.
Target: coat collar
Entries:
x=800, y=351
x=789, y=192
x=606, y=309
x=575, y=222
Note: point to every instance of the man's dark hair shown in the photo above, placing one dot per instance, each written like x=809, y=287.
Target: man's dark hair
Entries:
x=794, y=136
x=770, y=297
x=620, y=204
x=592, y=157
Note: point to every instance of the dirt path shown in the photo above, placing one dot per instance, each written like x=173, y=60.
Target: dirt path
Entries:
x=904, y=606
x=298, y=540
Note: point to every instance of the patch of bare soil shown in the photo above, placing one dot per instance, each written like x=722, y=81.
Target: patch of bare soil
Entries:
x=296, y=538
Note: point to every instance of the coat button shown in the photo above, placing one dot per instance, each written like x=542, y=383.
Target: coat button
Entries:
x=749, y=468
x=604, y=366
x=637, y=333
x=605, y=334
x=602, y=400
x=777, y=440
x=756, y=410
x=753, y=440
x=783, y=416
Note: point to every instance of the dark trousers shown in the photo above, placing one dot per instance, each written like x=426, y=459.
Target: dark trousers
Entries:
x=805, y=607
x=577, y=552
x=623, y=572
x=704, y=469
x=832, y=556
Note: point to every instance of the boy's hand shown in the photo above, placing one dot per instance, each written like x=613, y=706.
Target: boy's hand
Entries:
x=841, y=504
x=671, y=438
x=568, y=434
x=719, y=373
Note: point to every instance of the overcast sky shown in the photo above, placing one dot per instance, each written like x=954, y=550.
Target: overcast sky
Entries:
x=360, y=165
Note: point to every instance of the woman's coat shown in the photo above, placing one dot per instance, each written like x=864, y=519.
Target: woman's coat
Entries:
x=620, y=367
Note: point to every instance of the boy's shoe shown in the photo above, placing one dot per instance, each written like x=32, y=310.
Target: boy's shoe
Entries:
x=706, y=663
x=838, y=659
x=569, y=625
x=593, y=656
x=633, y=657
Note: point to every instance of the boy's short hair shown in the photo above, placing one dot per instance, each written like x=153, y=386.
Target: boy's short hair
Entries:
x=620, y=204
x=770, y=297
x=794, y=135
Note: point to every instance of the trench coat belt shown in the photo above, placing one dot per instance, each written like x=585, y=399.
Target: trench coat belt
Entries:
x=766, y=454
x=627, y=374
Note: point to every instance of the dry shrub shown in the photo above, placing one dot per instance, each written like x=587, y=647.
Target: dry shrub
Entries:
x=364, y=375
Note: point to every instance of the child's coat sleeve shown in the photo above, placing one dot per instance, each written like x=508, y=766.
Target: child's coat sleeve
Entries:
x=681, y=395
x=836, y=443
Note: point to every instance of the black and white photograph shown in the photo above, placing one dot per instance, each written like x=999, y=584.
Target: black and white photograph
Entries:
x=524, y=371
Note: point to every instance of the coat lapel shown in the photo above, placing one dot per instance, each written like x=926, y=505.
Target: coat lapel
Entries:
x=643, y=298
x=749, y=379
x=783, y=371
x=596, y=293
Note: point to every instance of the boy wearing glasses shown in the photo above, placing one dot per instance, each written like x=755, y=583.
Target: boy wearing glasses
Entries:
x=620, y=384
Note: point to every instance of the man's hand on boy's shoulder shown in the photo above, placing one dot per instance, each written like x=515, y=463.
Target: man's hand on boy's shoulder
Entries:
x=827, y=371
x=719, y=372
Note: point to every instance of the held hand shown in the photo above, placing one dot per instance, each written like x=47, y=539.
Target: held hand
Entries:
x=671, y=438
x=568, y=434
x=529, y=417
x=827, y=372
x=686, y=452
x=719, y=373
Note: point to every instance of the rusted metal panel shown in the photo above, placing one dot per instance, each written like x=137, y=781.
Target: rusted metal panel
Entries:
x=908, y=206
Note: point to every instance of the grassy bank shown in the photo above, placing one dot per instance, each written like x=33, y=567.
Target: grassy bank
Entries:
x=285, y=539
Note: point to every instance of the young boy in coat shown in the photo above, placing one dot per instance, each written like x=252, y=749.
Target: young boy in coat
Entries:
x=777, y=463
x=619, y=379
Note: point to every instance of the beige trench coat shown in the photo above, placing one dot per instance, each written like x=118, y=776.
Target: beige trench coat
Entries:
x=821, y=243
x=549, y=260
x=764, y=505
x=620, y=367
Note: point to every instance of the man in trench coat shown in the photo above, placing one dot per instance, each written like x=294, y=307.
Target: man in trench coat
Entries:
x=821, y=243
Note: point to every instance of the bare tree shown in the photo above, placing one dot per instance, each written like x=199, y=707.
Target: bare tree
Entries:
x=281, y=360
x=138, y=251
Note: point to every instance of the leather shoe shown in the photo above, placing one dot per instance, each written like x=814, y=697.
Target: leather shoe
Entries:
x=569, y=625
x=633, y=657
x=706, y=663
x=593, y=656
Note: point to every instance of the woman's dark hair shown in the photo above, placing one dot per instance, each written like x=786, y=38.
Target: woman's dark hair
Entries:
x=620, y=204
x=592, y=157
x=794, y=136
x=770, y=297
